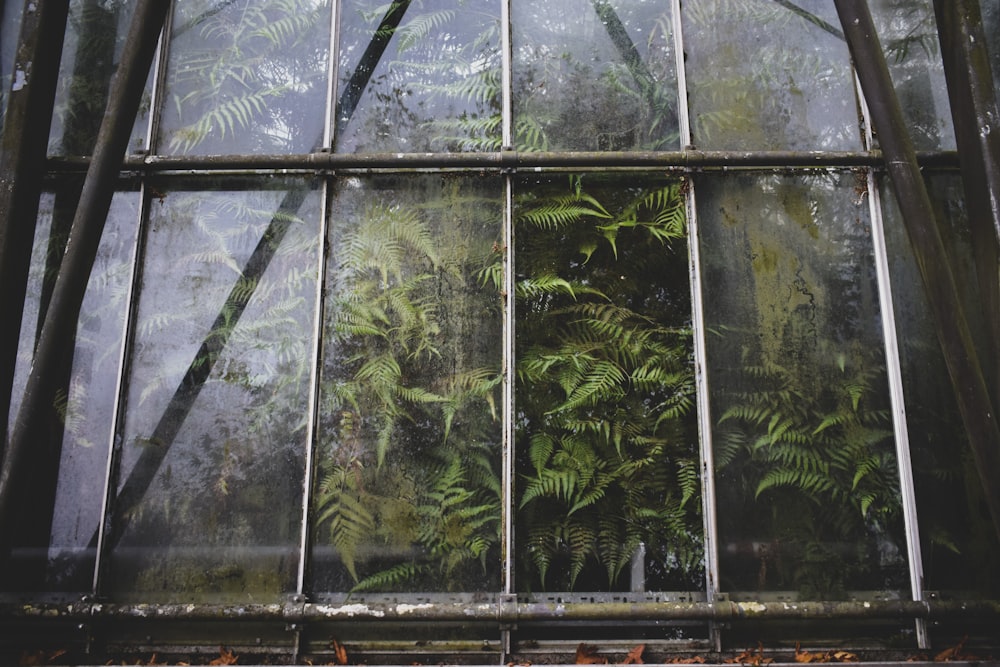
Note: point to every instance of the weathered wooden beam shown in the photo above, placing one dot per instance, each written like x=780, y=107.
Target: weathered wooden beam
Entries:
x=942, y=293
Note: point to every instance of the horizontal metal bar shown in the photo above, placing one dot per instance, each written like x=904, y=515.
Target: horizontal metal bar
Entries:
x=506, y=613
x=513, y=160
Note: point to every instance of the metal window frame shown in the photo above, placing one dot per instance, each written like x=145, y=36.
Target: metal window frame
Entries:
x=508, y=609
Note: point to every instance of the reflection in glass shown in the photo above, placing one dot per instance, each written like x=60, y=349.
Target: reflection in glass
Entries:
x=408, y=490
x=908, y=33
x=54, y=550
x=960, y=550
x=594, y=75
x=806, y=474
x=991, y=28
x=213, y=447
x=434, y=86
x=246, y=76
x=764, y=77
x=608, y=486
x=95, y=34
x=10, y=25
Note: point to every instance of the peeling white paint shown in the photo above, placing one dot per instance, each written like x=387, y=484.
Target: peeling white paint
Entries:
x=410, y=608
x=20, y=80
x=350, y=610
x=868, y=605
x=755, y=607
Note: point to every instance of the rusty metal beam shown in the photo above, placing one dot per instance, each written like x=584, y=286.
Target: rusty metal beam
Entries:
x=85, y=236
x=942, y=293
x=977, y=132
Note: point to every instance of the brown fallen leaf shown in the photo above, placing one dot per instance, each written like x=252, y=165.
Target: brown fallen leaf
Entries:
x=587, y=655
x=953, y=653
x=225, y=657
x=39, y=657
x=339, y=652
x=693, y=660
x=748, y=657
x=634, y=656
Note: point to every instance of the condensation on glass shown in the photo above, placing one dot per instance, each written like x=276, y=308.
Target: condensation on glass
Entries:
x=908, y=32
x=807, y=482
x=957, y=538
x=95, y=34
x=766, y=75
x=214, y=440
x=408, y=490
x=59, y=553
x=246, y=77
x=594, y=76
x=436, y=86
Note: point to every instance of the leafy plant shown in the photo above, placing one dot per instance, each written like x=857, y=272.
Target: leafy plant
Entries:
x=606, y=447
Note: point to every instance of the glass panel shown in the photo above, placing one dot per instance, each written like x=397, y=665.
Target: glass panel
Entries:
x=213, y=448
x=95, y=34
x=246, y=76
x=408, y=490
x=608, y=488
x=960, y=550
x=806, y=475
x=766, y=75
x=909, y=37
x=55, y=547
x=435, y=86
x=10, y=26
x=594, y=75
x=991, y=26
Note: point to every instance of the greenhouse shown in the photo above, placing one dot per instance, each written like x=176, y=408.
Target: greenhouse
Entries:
x=499, y=332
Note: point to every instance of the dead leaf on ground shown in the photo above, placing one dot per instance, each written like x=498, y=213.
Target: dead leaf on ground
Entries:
x=587, y=655
x=693, y=660
x=828, y=656
x=953, y=653
x=749, y=657
x=634, y=656
x=339, y=652
x=225, y=658
x=39, y=657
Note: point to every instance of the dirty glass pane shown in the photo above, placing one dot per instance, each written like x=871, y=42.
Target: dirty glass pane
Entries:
x=806, y=475
x=213, y=448
x=991, y=27
x=594, y=76
x=10, y=25
x=959, y=546
x=434, y=86
x=608, y=486
x=408, y=493
x=246, y=76
x=54, y=548
x=766, y=75
x=95, y=34
x=908, y=33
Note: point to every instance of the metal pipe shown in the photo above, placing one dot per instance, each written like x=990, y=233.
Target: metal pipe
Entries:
x=942, y=292
x=508, y=613
x=685, y=159
x=81, y=251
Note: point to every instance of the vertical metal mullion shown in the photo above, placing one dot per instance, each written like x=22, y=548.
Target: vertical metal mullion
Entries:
x=709, y=510
x=314, y=389
x=895, y=379
x=332, y=72
x=314, y=372
x=131, y=312
x=507, y=77
x=159, y=83
x=509, y=359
